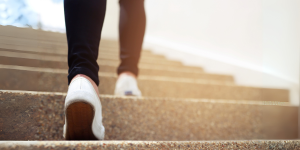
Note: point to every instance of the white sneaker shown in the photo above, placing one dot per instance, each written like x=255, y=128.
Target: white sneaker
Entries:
x=126, y=85
x=83, y=112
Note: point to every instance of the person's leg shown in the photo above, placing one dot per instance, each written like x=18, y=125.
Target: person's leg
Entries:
x=83, y=111
x=84, y=20
x=131, y=34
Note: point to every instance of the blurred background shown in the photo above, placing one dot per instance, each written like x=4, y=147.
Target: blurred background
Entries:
x=256, y=41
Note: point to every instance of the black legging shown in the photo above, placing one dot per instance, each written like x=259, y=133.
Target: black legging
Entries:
x=84, y=21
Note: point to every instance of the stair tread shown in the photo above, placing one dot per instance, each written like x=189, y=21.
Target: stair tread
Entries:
x=143, y=66
x=101, y=54
x=40, y=35
x=116, y=60
x=106, y=66
x=54, y=80
x=63, y=51
x=15, y=41
x=131, y=118
x=162, y=63
x=108, y=74
x=239, y=144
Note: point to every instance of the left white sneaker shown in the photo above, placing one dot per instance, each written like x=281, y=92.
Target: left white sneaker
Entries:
x=83, y=112
x=126, y=85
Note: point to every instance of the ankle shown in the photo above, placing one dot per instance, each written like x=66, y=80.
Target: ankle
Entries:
x=128, y=73
x=88, y=78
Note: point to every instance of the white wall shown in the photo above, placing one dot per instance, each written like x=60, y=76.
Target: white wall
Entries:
x=256, y=41
x=111, y=22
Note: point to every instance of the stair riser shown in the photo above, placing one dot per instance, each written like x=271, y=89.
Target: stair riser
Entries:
x=63, y=51
x=33, y=35
x=111, y=55
x=56, y=49
x=12, y=79
x=50, y=42
x=55, y=37
x=40, y=117
x=103, y=58
x=102, y=54
x=108, y=63
x=153, y=64
x=106, y=68
x=100, y=58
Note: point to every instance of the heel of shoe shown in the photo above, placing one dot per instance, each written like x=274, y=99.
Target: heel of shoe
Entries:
x=79, y=120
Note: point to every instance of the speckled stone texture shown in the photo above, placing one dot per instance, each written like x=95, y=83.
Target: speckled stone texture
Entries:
x=63, y=58
x=39, y=116
x=150, y=86
x=153, y=66
x=112, y=69
x=55, y=43
x=49, y=46
x=101, y=59
x=58, y=45
x=47, y=51
x=27, y=33
x=143, y=145
x=107, y=66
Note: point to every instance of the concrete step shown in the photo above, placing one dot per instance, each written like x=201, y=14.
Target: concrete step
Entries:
x=105, y=45
x=9, y=42
x=32, y=42
x=28, y=33
x=42, y=46
x=146, y=56
x=143, y=70
x=39, y=35
x=154, y=61
x=101, y=61
x=39, y=116
x=166, y=145
x=101, y=53
x=55, y=80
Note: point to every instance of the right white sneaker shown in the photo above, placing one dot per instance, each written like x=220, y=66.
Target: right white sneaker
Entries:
x=126, y=85
x=83, y=112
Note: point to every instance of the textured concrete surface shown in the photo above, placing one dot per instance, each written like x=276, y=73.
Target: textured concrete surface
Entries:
x=104, y=56
x=49, y=45
x=142, y=145
x=49, y=51
x=27, y=33
x=149, y=71
x=147, y=58
x=149, y=65
x=57, y=41
x=101, y=58
x=39, y=116
x=113, y=64
x=42, y=79
x=59, y=47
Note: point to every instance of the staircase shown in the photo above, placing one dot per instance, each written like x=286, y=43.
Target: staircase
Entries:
x=183, y=107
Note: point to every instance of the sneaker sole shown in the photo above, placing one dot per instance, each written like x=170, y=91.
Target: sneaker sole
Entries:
x=79, y=118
